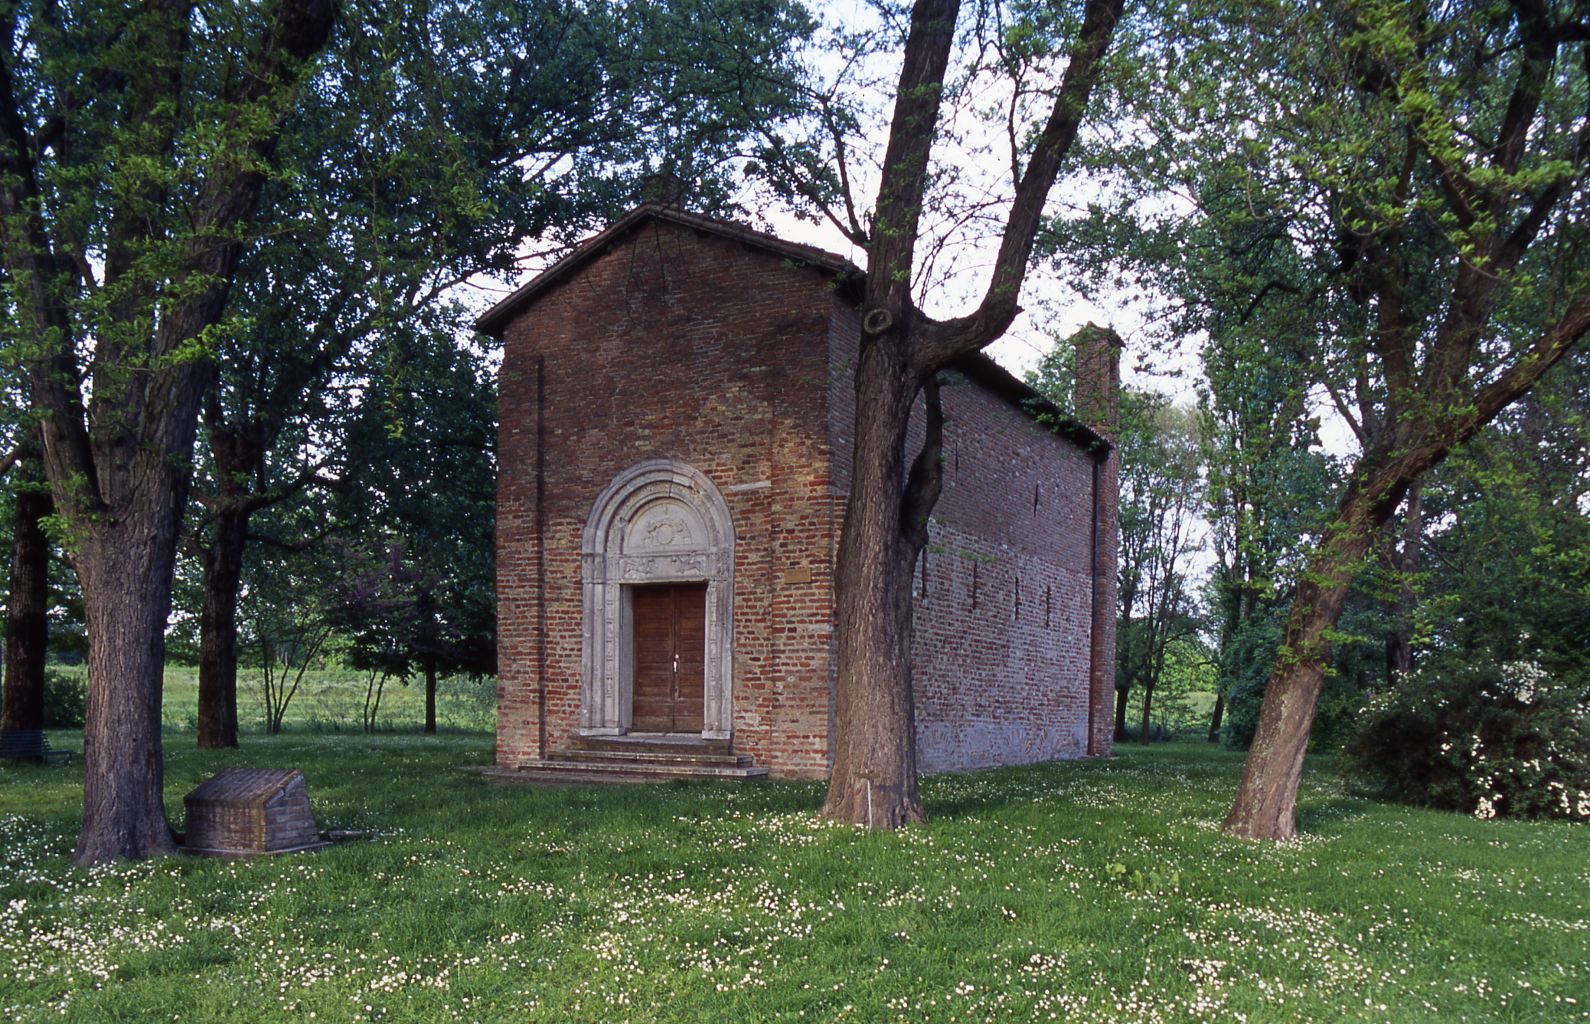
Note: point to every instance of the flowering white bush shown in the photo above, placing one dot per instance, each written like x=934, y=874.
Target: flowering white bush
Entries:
x=1505, y=740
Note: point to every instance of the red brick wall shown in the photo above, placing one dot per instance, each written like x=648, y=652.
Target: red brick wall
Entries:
x=673, y=344
x=1002, y=641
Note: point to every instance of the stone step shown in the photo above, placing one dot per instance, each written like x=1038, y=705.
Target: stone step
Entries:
x=572, y=773
x=650, y=757
x=653, y=743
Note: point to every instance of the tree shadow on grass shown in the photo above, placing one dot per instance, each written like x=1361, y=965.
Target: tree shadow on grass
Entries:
x=1318, y=816
x=956, y=795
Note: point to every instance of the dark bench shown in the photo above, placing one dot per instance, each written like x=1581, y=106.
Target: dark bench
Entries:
x=30, y=745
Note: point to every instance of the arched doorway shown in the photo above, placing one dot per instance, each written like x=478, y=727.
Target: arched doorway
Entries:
x=657, y=563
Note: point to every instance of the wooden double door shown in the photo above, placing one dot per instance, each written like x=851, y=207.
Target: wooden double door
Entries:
x=670, y=634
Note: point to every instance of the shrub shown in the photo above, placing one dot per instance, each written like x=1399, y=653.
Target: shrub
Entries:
x=1490, y=740
x=65, y=698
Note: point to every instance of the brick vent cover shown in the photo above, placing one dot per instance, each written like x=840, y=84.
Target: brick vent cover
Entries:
x=250, y=812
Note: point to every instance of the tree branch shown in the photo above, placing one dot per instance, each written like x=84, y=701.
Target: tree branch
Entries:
x=1522, y=104
x=1557, y=341
x=956, y=337
x=39, y=294
x=926, y=479
x=905, y=162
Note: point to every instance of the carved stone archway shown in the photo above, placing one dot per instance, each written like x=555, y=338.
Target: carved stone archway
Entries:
x=660, y=521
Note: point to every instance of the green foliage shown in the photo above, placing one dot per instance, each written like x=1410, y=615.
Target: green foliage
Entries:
x=1248, y=656
x=1249, y=659
x=1188, y=682
x=1492, y=740
x=1507, y=557
x=414, y=582
x=65, y=699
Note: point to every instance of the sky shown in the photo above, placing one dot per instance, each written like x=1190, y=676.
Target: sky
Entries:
x=1050, y=309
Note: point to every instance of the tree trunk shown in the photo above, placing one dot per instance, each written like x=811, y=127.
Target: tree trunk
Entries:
x=126, y=568
x=1125, y=671
x=1144, y=735
x=430, y=695
x=223, y=573
x=1399, y=642
x=874, y=776
x=1266, y=803
x=1214, y=720
x=27, y=614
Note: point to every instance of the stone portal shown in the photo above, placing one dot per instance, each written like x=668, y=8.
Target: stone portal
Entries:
x=658, y=578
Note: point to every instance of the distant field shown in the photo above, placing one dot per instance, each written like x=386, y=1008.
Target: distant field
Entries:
x=1185, y=715
x=333, y=700
x=1081, y=891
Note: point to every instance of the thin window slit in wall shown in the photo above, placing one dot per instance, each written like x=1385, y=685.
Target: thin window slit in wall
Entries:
x=974, y=586
x=1034, y=499
x=924, y=557
x=1046, y=604
x=1018, y=598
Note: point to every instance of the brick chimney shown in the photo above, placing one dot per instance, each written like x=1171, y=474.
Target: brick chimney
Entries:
x=663, y=187
x=1097, y=399
x=1097, y=402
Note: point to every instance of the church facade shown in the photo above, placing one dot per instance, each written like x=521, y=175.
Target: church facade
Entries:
x=676, y=408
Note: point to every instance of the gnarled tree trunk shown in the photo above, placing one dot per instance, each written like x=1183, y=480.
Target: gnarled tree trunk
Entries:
x=874, y=781
x=1266, y=804
x=27, y=612
x=126, y=567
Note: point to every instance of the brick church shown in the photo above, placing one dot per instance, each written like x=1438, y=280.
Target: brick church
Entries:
x=676, y=408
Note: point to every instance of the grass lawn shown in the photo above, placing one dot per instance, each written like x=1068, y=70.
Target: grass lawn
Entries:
x=1082, y=891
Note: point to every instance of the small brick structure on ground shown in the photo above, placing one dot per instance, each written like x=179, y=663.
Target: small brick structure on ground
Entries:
x=250, y=812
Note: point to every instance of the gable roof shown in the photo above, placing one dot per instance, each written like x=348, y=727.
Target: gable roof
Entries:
x=980, y=368
x=496, y=319
x=976, y=366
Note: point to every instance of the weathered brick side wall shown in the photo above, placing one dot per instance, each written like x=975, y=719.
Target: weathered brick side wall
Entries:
x=681, y=345
x=1002, y=643
x=1003, y=640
